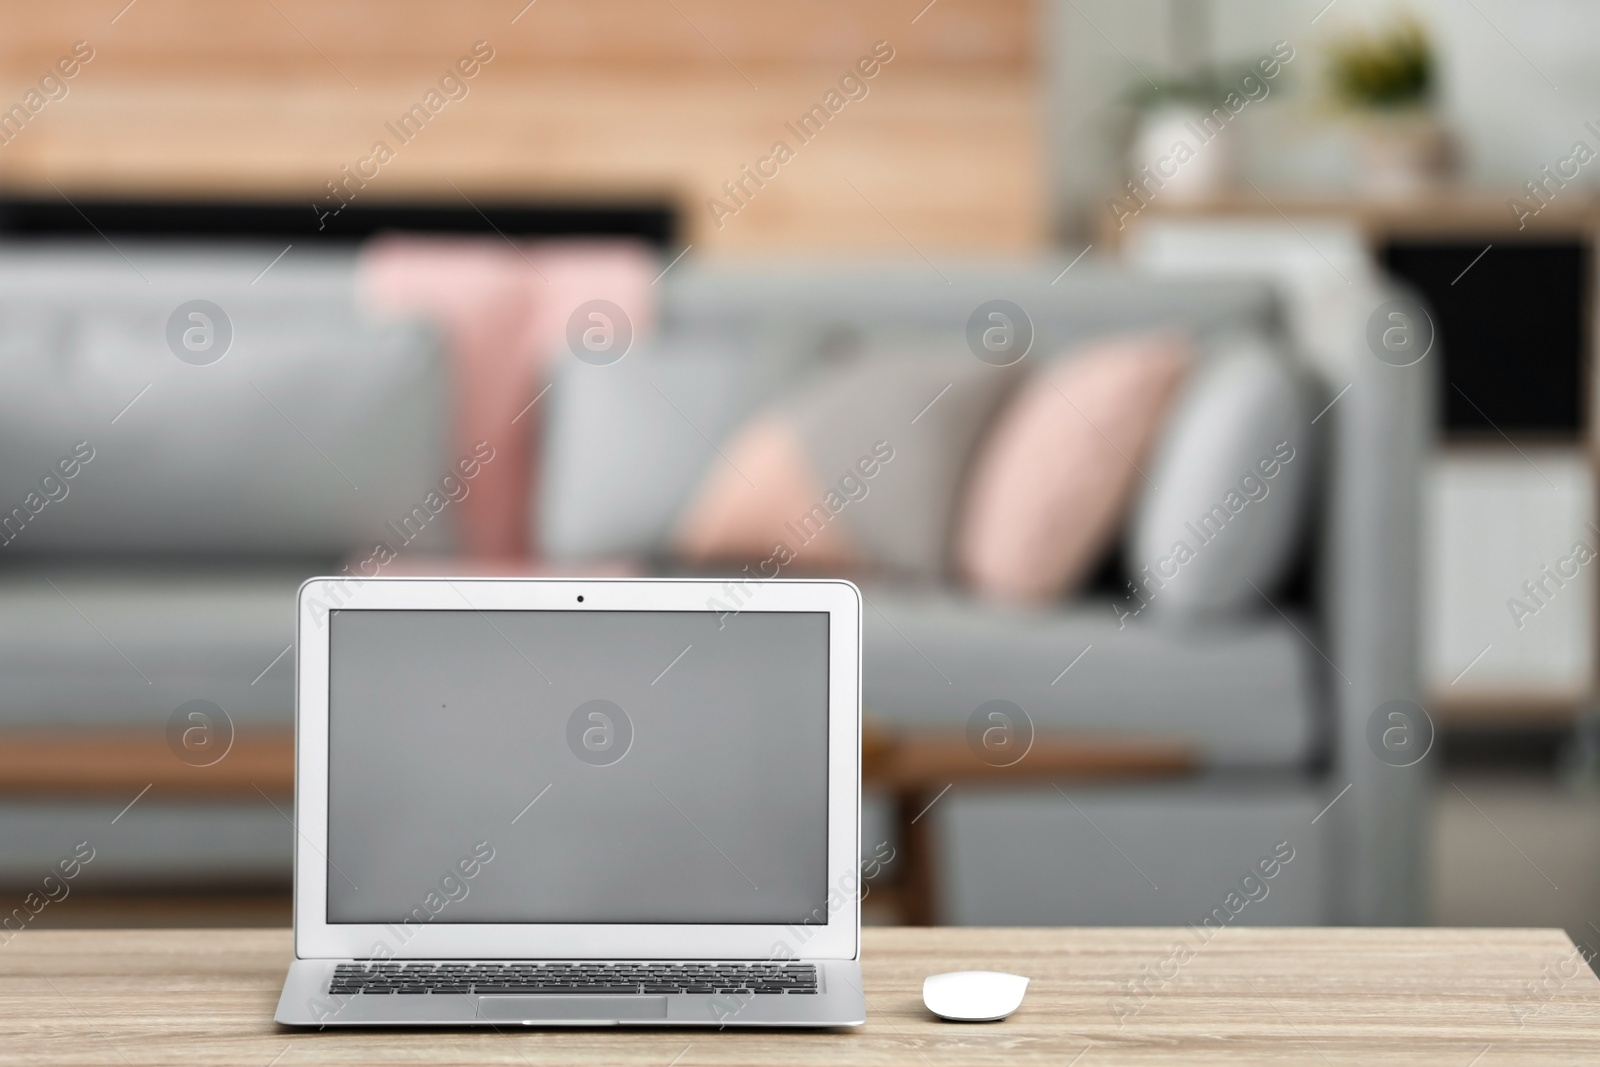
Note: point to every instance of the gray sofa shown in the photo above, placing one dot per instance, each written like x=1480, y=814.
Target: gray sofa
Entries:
x=172, y=562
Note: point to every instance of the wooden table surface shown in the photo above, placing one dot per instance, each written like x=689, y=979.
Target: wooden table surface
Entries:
x=1465, y=998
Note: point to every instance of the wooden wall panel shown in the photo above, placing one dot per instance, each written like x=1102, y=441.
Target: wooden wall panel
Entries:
x=246, y=39
x=592, y=100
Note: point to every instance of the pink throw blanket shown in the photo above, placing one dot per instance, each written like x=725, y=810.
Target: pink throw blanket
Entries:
x=503, y=312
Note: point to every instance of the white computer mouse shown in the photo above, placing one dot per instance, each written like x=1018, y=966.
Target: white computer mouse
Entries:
x=973, y=996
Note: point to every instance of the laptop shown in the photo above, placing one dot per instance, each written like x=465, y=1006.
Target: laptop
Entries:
x=572, y=802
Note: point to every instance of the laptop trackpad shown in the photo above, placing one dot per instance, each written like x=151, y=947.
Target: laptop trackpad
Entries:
x=571, y=1009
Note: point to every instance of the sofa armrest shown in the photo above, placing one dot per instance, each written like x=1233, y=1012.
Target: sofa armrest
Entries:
x=1376, y=443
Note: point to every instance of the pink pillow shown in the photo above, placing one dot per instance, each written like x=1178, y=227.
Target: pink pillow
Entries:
x=1050, y=486
x=761, y=507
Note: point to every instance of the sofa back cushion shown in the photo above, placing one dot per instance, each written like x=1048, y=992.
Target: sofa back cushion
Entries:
x=314, y=431
x=809, y=313
x=625, y=443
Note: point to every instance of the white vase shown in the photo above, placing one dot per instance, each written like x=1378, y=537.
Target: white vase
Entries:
x=1198, y=171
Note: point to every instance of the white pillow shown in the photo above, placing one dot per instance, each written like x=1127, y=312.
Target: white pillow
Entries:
x=625, y=444
x=1231, y=480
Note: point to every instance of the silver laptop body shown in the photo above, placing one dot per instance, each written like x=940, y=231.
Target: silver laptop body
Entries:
x=577, y=802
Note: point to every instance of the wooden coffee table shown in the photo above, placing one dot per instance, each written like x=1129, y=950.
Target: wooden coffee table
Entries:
x=915, y=767
x=918, y=767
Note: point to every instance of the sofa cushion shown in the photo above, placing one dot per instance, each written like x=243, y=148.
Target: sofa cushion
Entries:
x=123, y=645
x=1231, y=480
x=159, y=843
x=1241, y=693
x=312, y=431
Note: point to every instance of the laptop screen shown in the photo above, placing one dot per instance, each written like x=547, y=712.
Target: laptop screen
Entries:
x=577, y=766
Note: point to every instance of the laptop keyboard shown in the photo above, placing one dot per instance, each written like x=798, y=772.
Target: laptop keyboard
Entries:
x=612, y=978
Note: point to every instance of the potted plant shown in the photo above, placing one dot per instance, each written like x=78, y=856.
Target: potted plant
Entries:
x=1385, y=82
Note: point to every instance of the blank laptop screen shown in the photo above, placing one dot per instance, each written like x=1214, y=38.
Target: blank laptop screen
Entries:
x=577, y=766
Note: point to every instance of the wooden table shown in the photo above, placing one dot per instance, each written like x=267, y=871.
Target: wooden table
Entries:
x=1463, y=998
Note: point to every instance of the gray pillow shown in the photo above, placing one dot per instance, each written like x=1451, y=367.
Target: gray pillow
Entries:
x=931, y=407
x=626, y=443
x=1232, y=479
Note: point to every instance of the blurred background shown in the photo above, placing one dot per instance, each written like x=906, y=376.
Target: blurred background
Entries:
x=990, y=306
